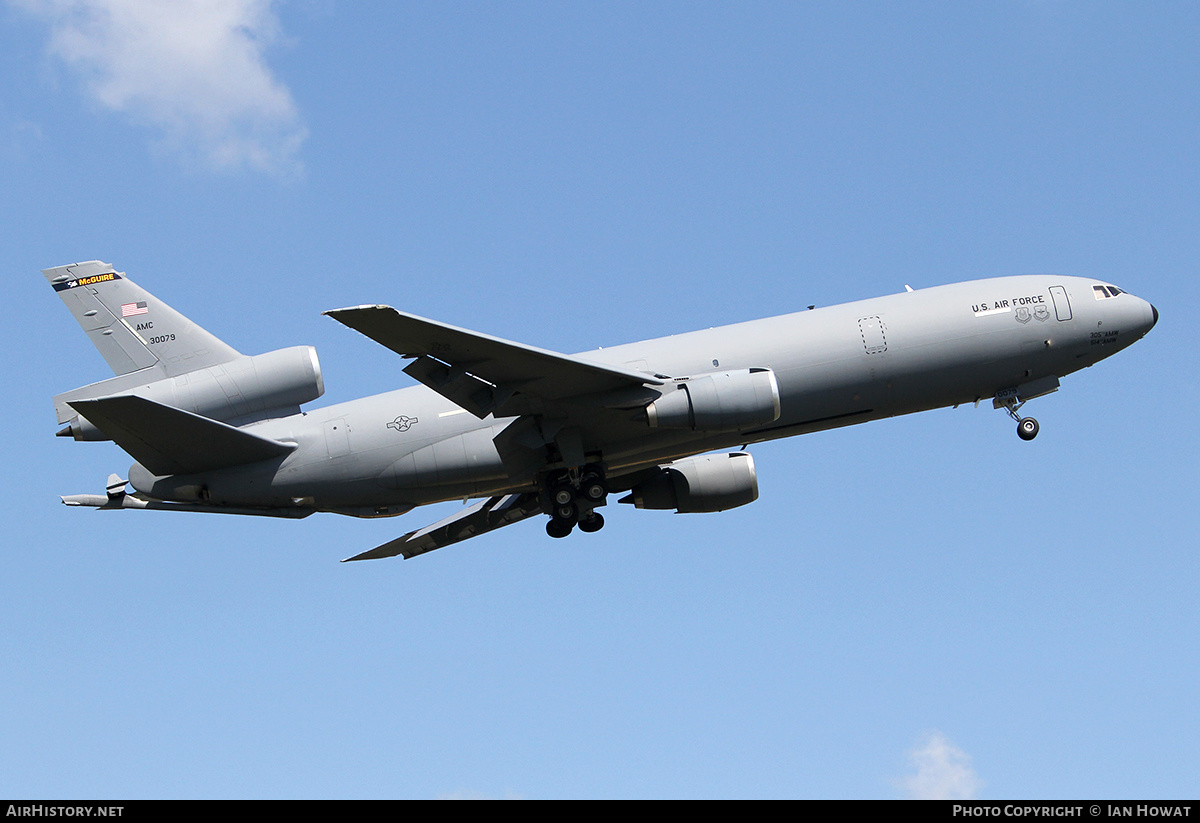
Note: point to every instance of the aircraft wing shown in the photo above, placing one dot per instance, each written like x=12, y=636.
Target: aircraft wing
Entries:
x=484, y=516
x=482, y=373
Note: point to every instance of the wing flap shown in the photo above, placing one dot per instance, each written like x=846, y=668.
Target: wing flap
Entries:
x=484, y=516
x=167, y=440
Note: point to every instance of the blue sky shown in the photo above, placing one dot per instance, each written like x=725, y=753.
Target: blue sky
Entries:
x=915, y=607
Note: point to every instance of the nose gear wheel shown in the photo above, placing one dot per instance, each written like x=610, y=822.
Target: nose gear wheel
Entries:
x=1027, y=427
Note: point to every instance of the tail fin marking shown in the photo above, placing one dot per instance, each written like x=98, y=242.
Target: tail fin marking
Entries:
x=133, y=329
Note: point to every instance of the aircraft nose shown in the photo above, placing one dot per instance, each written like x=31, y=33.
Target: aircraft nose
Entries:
x=1149, y=317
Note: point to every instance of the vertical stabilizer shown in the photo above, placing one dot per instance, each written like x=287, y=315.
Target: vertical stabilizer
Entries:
x=162, y=357
x=132, y=329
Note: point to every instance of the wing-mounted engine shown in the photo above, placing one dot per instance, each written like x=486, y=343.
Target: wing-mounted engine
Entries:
x=243, y=389
x=719, y=402
x=705, y=483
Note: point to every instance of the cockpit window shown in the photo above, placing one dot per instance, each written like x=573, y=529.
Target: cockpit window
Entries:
x=1105, y=292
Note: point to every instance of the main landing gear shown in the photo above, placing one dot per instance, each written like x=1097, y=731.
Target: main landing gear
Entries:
x=571, y=497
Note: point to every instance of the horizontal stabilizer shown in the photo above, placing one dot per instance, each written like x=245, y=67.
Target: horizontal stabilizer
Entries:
x=484, y=516
x=168, y=441
x=136, y=501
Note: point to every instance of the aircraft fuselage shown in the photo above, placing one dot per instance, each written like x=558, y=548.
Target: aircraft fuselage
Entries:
x=834, y=366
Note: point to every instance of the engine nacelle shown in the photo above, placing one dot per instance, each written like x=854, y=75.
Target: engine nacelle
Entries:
x=242, y=388
x=719, y=402
x=706, y=483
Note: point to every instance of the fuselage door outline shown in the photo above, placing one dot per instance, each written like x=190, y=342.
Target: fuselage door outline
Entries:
x=1062, y=306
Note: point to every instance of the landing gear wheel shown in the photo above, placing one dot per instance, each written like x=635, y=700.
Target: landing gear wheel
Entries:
x=594, y=522
x=562, y=495
x=558, y=528
x=569, y=497
x=593, y=488
x=1027, y=428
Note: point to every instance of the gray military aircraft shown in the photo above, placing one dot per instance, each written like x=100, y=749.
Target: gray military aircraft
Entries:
x=527, y=431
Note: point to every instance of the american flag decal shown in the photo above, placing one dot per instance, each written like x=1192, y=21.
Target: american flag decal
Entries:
x=130, y=309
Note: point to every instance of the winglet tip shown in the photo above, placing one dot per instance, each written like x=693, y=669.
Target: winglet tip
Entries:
x=347, y=309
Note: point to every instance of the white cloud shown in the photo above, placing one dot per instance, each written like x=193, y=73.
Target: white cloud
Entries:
x=941, y=771
x=194, y=70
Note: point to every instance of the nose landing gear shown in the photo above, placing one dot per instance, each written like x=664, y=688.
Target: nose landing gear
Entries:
x=1027, y=427
x=1011, y=400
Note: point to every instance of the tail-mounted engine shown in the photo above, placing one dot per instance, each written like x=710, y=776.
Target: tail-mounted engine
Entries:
x=242, y=389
